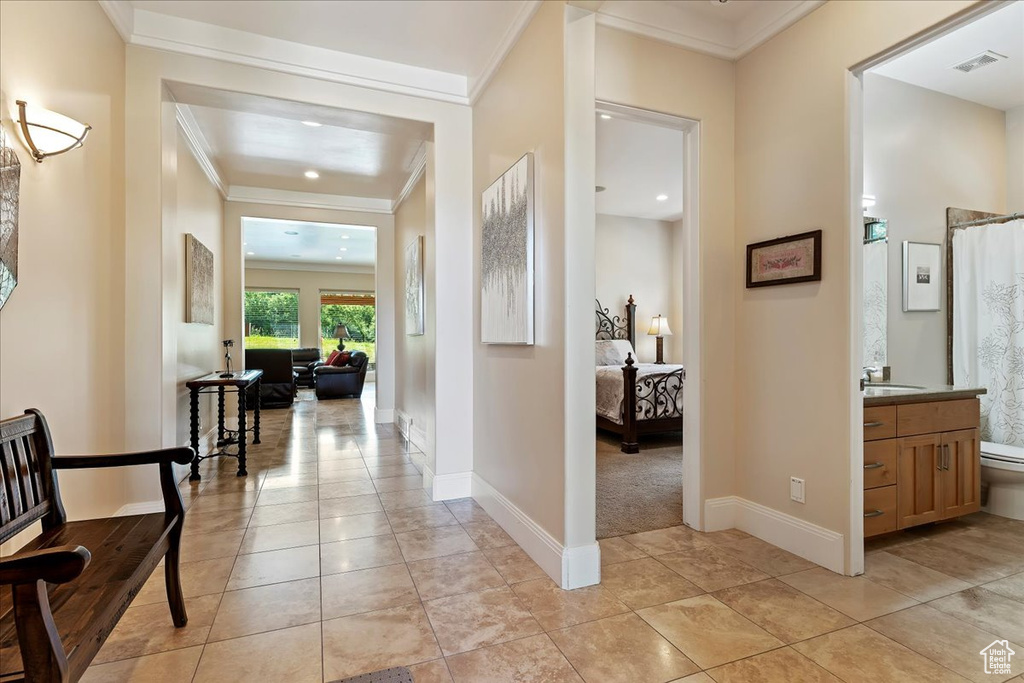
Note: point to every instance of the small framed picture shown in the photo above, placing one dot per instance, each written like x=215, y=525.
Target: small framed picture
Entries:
x=922, y=276
x=785, y=261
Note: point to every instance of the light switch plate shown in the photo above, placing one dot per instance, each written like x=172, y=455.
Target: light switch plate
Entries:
x=796, y=489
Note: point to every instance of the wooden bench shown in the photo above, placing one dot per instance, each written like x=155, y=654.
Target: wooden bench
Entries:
x=71, y=584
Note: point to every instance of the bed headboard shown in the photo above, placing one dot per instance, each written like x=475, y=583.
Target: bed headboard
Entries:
x=616, y=327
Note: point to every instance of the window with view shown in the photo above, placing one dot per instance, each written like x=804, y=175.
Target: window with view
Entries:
x=358, y=313
x=271, y=319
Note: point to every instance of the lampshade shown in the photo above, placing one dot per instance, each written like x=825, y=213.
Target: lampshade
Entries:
x=659, y=327
x=341, y=332
x=47, y=133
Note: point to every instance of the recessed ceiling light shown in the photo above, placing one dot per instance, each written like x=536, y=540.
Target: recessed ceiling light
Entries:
x=343, y=249
x=344, y=237
x=606, y=116
x=312, y=124
x=338, y=258
x=250, y=253
x=312, y=175
x=290, y=232
x=662, y=197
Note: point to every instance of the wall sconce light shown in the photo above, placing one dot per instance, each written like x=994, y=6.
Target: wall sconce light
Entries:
x=47, y=133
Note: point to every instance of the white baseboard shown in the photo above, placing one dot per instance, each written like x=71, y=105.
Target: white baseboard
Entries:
x=810, y=541
x=383, y=415
x=569, y=567
x=447, y=486
x=143, y=508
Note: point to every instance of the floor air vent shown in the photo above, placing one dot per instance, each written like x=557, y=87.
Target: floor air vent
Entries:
x=978, y=61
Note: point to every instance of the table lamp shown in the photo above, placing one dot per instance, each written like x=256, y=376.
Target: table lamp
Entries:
x=341, y=334
x=660, y=329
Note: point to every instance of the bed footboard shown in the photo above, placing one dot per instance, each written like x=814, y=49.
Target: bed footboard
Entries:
x=650, y=407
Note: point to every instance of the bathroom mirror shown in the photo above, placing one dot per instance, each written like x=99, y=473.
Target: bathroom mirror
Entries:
x=876, y=291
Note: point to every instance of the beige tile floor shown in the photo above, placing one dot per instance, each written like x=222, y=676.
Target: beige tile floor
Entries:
x=328, y=561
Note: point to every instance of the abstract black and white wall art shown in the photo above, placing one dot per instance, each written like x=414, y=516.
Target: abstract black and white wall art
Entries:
x=414, y=287
x=10, y=183
x=506, y=301
x=199, y=282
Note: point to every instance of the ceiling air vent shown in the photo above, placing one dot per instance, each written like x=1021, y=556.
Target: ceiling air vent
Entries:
x=978, y=61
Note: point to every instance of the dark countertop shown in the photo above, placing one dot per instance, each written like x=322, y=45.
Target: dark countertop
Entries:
x=876, y=395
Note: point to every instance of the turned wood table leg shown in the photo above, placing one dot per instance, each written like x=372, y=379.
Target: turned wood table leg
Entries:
x=194, y=420
x=241, y=432
x=256, y=413
x=220, y=415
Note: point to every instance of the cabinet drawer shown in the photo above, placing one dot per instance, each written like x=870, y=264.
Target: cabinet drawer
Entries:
x=880, y=458
x=879, y=423
x=938, y=416
x=879, y=511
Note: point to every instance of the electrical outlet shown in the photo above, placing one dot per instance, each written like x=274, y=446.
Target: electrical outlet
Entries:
x=796, y=489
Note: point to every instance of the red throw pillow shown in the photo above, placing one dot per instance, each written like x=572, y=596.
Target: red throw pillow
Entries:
x=334, y=355
x=342, y=359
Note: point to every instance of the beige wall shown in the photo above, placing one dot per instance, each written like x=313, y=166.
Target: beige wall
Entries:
x=519, y=391
x=201, y=213
x=414, y=355
x=631, y=70
x=634, y=257
x=1015, y=160
x=923, y=152
x=309, y=283
x=794, y=354
x=62, y=331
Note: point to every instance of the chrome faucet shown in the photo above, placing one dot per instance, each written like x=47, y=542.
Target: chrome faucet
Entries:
x=886, y=371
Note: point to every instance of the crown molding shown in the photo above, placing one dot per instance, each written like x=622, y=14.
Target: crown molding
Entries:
x=688, y=30
x=503, y=47
x=419, y=166
x=200, y=148
x=185, y=36
x=257, y=264
x=121, y=15
x=777, y=25
x=308, y=200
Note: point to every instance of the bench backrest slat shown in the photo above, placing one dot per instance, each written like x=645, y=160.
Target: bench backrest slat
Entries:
x=26, y=476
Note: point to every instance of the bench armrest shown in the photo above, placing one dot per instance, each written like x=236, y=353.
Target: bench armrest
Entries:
x=53, y=565
x=181, y=455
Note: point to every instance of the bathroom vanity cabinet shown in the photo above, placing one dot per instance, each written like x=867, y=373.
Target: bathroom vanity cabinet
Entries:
x=922, y=458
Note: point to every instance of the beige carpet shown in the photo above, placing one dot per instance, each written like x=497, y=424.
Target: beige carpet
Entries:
x=639, y=492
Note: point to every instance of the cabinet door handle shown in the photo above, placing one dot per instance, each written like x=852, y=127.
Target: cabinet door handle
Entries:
x=874, y=513
x=946, y=447
x=869, y=425
x=874, y=465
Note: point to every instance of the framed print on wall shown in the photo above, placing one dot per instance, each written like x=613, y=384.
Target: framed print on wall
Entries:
x=922, y=277
x=506, y=283
x=414, y=287
x=785, y=261
x=198, y=282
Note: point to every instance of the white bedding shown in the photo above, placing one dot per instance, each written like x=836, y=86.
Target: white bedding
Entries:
x=610, y=389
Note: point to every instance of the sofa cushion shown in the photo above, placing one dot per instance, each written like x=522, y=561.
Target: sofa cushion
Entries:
x=341, y=360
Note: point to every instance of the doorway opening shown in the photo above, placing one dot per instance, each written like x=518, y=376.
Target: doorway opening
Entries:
x=647, y=455
x=915, y=188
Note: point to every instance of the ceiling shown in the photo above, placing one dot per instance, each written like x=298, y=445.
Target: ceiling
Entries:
x=260, y=142
x=342, y=247
x=439, y=49
x=636, y=162
x=444, y=35
x=724, y=29
x=999, y=85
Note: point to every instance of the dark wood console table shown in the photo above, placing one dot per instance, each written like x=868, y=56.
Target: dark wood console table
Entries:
x=238, y=382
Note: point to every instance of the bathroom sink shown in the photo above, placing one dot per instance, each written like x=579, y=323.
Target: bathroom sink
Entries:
x=880, y=388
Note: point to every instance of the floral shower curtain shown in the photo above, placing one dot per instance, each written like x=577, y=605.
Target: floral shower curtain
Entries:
x=988, y=324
